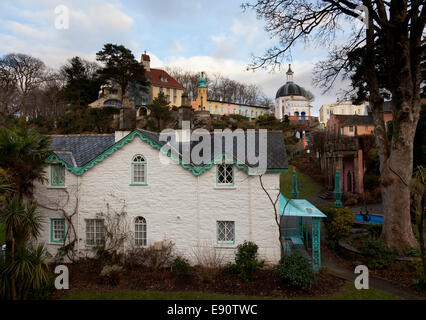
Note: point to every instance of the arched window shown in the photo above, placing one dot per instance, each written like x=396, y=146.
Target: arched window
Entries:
x=140, y=231
x=139, y=170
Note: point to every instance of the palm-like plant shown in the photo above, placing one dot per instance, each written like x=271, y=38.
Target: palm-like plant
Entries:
x=23, y=152
x=22, y=222
x=29, y=271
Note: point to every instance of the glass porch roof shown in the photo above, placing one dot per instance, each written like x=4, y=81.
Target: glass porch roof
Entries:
x=299, y=208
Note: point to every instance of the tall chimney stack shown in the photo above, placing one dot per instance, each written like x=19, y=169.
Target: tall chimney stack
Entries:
x=146, y=61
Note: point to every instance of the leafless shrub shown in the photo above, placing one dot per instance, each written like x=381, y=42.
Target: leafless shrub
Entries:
x=152, y=256
x=208, y=257
x=116, y=230
x=210, y=262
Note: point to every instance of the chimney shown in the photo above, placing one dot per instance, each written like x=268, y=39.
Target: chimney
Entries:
x=185, y=112
x=146, y=61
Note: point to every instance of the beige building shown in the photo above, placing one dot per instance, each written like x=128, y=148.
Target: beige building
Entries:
x=160, y=81
x=344, y=107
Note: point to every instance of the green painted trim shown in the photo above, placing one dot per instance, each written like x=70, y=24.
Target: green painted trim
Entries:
x=57, y=167
x=195, y=170
x=51, y=231
x=217, y=234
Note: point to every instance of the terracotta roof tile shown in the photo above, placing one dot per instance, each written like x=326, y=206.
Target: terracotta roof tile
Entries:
x=155, y=76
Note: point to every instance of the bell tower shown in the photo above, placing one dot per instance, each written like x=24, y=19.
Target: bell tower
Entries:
x=202, y=94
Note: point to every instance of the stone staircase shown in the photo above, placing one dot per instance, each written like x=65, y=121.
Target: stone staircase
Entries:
x=326, y=195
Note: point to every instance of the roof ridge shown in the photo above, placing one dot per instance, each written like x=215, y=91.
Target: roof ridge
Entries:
x=81, y=135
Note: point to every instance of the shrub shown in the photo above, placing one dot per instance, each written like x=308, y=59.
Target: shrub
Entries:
x=338, y=224
x=112, y=274
x=296, y=271
x=349, y=199
x=180, y=267
x=32, y=275
x=151, y=257
x=376, y=254
x=246, y=263
x=374, y=230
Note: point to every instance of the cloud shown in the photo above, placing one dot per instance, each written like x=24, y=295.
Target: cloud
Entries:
x=224, y=47
x=176, y=47
x=91, y=24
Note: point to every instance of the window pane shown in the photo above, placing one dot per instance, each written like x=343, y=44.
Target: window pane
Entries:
x=225, y=231
x=94, y=232
x=54, y=174
x=58, y=230
x=61, y=169
x=140, y=232
x=225, y=174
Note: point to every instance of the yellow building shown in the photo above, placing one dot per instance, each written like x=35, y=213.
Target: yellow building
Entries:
x=344, y=107
x=202, y=103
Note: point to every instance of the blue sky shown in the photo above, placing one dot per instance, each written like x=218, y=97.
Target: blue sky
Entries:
x=200, y=35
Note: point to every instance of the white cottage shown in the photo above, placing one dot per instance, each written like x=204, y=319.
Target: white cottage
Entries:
x=213, y=205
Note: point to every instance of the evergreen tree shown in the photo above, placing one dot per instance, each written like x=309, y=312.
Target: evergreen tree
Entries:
x=160, y=109
x=121, y=68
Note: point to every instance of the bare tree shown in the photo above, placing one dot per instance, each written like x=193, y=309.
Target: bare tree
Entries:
x=8, y=92
x=28, y=74
x=277, y=214
x=401, y=23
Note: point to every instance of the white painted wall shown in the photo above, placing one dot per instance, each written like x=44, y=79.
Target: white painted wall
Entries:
x=177, y=205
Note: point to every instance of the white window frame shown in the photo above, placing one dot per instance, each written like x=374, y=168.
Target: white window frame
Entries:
x=139, y=170
x=140, y=231
x=225, y=232
x=57, y=226
x=95, y=232
x=229, y=179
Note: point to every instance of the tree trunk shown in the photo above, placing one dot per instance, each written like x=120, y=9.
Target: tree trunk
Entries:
x=397, y=228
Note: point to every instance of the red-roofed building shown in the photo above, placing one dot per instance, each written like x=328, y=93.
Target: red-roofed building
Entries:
x=160, y=81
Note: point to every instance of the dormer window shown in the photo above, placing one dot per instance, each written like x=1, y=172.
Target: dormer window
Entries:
x=163, y=79
x=57, y=175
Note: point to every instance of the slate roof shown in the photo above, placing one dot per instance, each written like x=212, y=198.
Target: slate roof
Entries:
x=77, y=151
x=276, y=157
x=357, y=120
x=290, y=89
x=82, y=148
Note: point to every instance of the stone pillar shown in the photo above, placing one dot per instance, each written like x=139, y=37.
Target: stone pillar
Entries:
x=340, y=165
x=355, y=174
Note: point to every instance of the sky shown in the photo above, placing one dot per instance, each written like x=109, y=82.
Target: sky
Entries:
x=199, y=35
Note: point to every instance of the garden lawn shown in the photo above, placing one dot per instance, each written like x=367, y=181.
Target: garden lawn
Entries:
x=348, y=292
x=306, y=185
x=2, y=233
